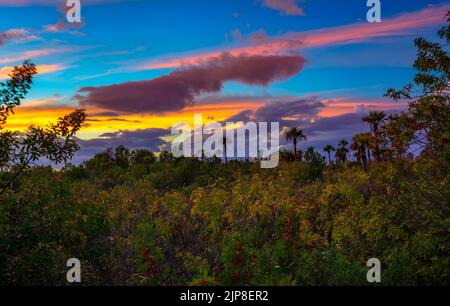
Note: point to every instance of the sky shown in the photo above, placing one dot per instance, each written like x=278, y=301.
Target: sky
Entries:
x=139, y=67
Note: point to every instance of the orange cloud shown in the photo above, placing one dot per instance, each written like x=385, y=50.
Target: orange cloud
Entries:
x=41, y=112
x=41, y=69
x=40, y=102
x=358, y=32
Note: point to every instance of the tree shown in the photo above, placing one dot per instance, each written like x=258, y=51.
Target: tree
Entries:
x=315, y=163
x=166, y=156
x=341, y=152
x=361, y=146
x=121, y=156
x=15, y=89
x=55, y=143
x=312, y=155
x=426, y=121
x=142, y=158
x=328, y=149
x=374, y=119
x=99, y=163
x=295, y=134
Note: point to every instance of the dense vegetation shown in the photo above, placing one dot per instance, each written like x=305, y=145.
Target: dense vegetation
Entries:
x=190, y=222
x=133, y=218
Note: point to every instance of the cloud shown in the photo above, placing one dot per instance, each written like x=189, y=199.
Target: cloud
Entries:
x=259, y=37
x=113, y=119
x=285, y=7
x=105, y=114
x=15, y=34
x=306, y=113
x=237, y=35
x=41, y=102
x=179, y=88
x=346, y=105
x=237, y=99
x=287, y=113
x=405, y=24
x=41, y=69
x=301, y=109
x=62, y=26
x=280, y=47
x=330, y=130
x=149, y=139
x=294, y=112
x=31, y=54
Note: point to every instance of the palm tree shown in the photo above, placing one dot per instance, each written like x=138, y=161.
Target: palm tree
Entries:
x=329, y=149
x=341, y=152
x=374, y=119
x=361, y=146
x=295, y=134
x=343, y=143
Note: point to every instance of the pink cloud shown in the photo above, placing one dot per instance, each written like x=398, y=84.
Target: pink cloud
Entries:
x=179, y=88
x=286, y=7
x=404, y=24
x=15, y=34
x=62, y=26
x=32, y=54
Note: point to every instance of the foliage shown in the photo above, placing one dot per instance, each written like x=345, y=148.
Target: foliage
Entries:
x=18, y=151
x=235, y=224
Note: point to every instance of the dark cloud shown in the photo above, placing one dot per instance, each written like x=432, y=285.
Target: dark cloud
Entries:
x=296, y=112
x=287, y=113
x=348, y=122
x=331, y=130
x=140, y=139
x=113, y=119
x=105, y=114
x=243, y=116
x=218, y=98
x=298, y=109
x=320, y=131
x=179, y=88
